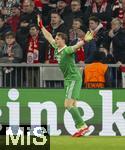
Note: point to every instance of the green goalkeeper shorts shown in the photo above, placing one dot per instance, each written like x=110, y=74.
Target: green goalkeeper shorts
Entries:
x=72, y=89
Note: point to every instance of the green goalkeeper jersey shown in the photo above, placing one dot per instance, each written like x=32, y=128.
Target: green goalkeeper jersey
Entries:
x=66, y=60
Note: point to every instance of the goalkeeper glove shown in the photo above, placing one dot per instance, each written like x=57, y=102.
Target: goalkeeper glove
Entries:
x=88, y=36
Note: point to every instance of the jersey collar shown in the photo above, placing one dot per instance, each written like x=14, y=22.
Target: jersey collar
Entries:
x=59, y=50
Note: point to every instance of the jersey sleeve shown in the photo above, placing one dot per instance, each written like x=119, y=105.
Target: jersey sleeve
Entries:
x=53, y=44
x=69, y=50
x=55, y=49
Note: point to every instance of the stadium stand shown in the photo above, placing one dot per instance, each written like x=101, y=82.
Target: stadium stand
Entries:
x=105, y=18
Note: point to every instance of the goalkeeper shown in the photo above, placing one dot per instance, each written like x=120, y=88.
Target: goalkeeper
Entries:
x=72, y=74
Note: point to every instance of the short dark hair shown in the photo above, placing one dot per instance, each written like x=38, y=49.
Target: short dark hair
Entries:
x=55, y=12
x=63, y=36
x=95, y=19
x=34, y=25
x=10, y=33
x=78, y=19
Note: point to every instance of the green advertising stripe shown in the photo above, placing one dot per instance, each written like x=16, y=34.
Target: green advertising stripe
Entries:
x=91, y=97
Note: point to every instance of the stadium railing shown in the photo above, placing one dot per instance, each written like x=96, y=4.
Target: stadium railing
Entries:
x=45, y=76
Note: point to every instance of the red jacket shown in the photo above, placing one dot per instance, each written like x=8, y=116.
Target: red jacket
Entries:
x=14, y=22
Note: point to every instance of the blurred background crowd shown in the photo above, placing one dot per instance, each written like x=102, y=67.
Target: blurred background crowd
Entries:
x=22, y=42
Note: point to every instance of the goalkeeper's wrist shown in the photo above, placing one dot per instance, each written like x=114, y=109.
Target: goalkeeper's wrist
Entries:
x=85, y=41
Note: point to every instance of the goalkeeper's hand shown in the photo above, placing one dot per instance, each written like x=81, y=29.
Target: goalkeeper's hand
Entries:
x=88, y=36
x=39, y=21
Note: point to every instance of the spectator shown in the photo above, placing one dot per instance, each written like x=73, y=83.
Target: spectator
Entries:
x=3, y=11
x=96, y=74
x=56, y=25
x=29, y=11
x=117, y=41
x=96, y=27
x=22, y=35
x=119, y=11
x=35, y=54
x=101, y=9
x=11, y=52
x=90, y=47
x=76, y=31
x=116, y=7
x=36, y=46
x=4, y=27
x=76, y=9
x=74, y=35
x=76, y=12
x=108, y=59
x=48, y=7
x=14, y=20
x=6, y=7
x=65, y=12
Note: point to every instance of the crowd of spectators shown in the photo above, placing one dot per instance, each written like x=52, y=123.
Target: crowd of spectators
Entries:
x=21, y=41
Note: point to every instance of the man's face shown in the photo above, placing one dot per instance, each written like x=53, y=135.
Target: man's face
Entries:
x=59, y=41
x=61, y=5
x=9, y=40
x=27, y=7
x=55, y=19
x=76, y=25
x=1, y=23
x=33, y=31
x=75, y=6
x=93, y=25
x=15, y=11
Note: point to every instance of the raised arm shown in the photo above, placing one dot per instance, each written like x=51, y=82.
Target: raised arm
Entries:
x=46, y=34
x=88, y=37
x=77, y=45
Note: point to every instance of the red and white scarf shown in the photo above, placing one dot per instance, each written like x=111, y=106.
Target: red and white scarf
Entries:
x=102, y=7
x=33, y=51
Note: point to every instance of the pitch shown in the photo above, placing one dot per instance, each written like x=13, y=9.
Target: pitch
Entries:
x=87, y=143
